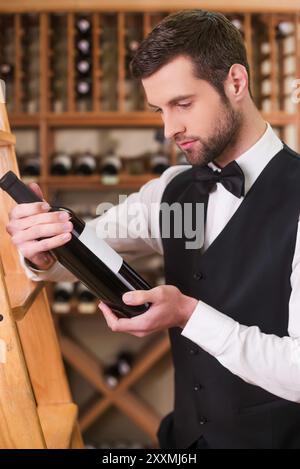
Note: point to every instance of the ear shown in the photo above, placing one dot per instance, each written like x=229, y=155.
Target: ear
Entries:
x=236, y=83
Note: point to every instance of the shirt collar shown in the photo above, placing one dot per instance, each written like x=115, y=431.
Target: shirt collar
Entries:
x=254, y=160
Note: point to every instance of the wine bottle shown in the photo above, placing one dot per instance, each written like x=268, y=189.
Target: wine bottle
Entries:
x=6, y=71
x=159, y=163
x=86, y=299
x=88, y=257
x=83, y=25
x=124, y=363
x=83, y=46
x=83, y=66
x=238, y=23
x=30, y=165
x=61, y=164
x=284, y=29
x=110, y=165
x=83, y=88
x=111, y=376
x=62, y=296
x=85, y=164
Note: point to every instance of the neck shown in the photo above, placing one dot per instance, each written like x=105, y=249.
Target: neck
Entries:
x=252, y=129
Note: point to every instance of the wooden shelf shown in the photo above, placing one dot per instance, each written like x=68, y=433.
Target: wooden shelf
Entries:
x=94, y=182
x=116, y=119
x=104, y=119
x=148, y=5
x=25, y=120
x=91, y=368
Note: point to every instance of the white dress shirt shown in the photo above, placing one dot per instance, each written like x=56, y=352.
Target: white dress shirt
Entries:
x=266, y=360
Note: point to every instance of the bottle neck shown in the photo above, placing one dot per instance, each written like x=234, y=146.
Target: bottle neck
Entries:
x=78, y=223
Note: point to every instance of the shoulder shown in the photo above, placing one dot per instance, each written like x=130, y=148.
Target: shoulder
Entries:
x=154, y=189
x=291, y=153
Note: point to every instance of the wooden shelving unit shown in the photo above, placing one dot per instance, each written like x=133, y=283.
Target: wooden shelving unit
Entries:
x=264, y=45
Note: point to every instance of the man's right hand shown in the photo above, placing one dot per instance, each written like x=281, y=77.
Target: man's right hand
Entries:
x=35, y=230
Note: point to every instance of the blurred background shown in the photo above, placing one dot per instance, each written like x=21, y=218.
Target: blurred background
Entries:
x=85, y=134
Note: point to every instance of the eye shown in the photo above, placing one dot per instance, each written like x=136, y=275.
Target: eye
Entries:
x=184, y=105
x=158, y=110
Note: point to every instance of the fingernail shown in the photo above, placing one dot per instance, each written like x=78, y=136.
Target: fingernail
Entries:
x=45, y=206
x=67, y=226
x=128, y=297
x=66, y=236
x=64, y=216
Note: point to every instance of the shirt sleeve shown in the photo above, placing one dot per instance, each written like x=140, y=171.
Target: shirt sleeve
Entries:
x=265, y=360
x=131, y=228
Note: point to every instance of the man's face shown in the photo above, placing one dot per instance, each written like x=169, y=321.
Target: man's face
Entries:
x=201, y=122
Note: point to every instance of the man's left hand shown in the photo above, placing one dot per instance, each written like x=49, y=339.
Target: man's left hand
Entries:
x=169, y=308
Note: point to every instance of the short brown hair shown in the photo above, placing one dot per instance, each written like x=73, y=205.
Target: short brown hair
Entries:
x=209, y=39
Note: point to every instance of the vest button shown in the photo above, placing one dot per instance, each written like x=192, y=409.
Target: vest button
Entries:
x=193, y=351
x=203, y=420
x=198, y=276
x=198, y=387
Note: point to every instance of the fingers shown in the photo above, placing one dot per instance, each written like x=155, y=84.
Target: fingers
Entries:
x=41, y=231
x=30, y=249
x=26, y=210
x=138, y=326
x=110, y=318
x=43, y=260
x=35, y=230
x=138, y=297
x=36, y=188
x=41, y=218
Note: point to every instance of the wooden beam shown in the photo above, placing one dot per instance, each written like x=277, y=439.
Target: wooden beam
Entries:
x=58, y=422
x=140, y=413
x=148, y=5
x=6, y=138
x=17, y=402
x=21, y=298
x=121, y=62
x=42, y=352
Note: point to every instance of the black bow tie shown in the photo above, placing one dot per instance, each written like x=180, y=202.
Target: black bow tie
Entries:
x=231, y=176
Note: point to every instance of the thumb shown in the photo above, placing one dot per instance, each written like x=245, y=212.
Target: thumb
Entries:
x=36, y=189
x=137, y=297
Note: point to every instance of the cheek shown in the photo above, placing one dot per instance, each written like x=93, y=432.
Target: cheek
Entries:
x=205, y=116
x=201, y=121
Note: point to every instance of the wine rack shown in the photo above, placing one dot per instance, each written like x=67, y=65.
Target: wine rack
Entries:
x=66, y=67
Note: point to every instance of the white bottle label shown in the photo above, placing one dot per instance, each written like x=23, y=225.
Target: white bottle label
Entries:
x=111, y=160
x=64, y=160
x=101, y=249
x=88, y=160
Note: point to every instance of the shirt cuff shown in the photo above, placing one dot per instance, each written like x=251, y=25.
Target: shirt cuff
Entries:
x=37, y=274
x=56, y=273
x=209, y=328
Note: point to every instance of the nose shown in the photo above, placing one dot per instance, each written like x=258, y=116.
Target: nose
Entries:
x=172, y=127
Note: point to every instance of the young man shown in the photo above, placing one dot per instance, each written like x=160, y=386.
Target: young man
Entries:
x=232, y=306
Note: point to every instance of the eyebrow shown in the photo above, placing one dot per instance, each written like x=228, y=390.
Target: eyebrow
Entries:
x=175, y=100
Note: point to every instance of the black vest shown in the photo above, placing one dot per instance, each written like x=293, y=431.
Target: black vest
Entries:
x=245, y=274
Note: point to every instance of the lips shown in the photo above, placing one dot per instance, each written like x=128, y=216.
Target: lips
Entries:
x=187, y=144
